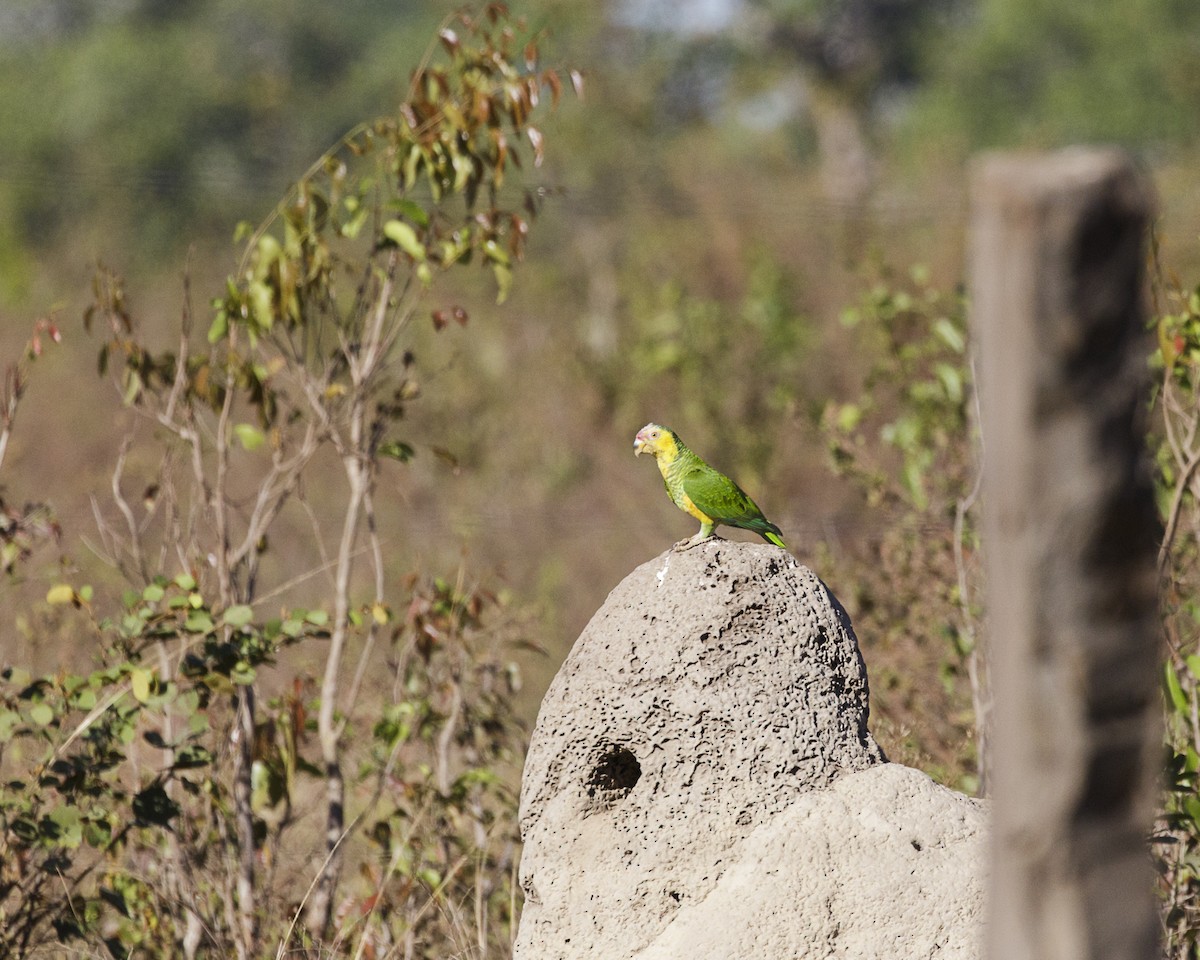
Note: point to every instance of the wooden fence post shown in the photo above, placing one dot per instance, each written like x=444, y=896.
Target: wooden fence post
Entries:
x=1070, y=533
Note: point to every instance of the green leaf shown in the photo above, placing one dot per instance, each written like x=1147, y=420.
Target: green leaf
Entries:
x=951, y=381
x=292, y=628
x=42, y=714
x=153, y=593
x=239, y=615
x=352, y=227
x=133, y=389
x=1174, y=691
x=412, y=210
x=142, y=683
x=268, y=786
x=262, y=300
x=219, y=328
x=405, y=237
x=198, y=621
x=849, y=415
x=430, y=877
x=412, y=165
x=60, y=593
x=242, y=673
x=249, y=436
x=496, y=253
x=504, y=278
x=19, y=676
x=396, y=450
x=1191, y=806
x=185, y=581
x=950, y=335
x=267, y=253
x=69, y=824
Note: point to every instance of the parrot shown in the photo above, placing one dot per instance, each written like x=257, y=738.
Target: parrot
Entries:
x=699, y=490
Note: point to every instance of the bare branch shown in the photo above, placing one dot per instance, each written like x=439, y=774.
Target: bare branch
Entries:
x=376, y=549
x=134, y=540
x=1173, y=512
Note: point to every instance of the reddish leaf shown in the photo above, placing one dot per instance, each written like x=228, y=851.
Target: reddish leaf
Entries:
x=551, y=79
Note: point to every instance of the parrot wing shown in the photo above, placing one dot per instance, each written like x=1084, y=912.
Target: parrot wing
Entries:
x=719, y=497
x=715, y=495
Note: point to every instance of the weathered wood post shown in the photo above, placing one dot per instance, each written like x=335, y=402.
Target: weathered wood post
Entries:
x=1070, y=529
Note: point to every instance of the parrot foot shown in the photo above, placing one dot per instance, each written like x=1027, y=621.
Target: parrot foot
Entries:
x=695, y=541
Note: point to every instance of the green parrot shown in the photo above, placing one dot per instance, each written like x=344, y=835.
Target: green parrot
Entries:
x=699, y=490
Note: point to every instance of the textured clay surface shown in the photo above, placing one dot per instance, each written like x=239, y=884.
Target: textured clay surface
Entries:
x=701, y=784
x=883, y=864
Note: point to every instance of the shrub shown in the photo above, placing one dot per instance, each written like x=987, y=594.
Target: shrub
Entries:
x=197, y=793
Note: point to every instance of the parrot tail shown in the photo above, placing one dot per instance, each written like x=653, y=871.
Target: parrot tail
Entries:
x=772, y=536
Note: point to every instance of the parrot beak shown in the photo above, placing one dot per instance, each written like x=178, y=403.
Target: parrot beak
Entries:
x=639, y=445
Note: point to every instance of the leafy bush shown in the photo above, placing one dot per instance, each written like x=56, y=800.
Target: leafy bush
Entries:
x=906, y=444
x=1176, y=450
x=196, y=794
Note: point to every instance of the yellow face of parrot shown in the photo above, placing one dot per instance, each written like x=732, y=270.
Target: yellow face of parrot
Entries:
x=656, y=440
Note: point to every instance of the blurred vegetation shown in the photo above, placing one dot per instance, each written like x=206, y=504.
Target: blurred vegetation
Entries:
x=906, y=444
x=1174, y=444
x=733, y=186
x=1041, y=73
x=148, y=126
